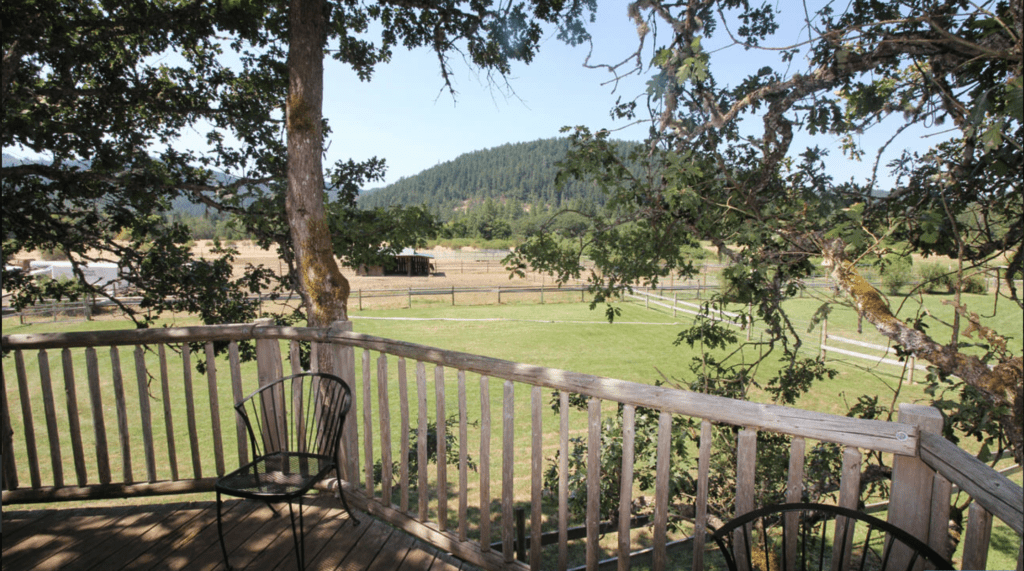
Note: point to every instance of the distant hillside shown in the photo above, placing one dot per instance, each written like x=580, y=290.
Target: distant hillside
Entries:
x=518, y=173
x=180, y=205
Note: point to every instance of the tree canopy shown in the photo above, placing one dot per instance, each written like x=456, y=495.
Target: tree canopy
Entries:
x=106, y=93
x=739, y=97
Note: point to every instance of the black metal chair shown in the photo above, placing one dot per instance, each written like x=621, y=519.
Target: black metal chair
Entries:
x=819, y=537
x=294, y=427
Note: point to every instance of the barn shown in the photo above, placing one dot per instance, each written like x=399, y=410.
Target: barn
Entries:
x=408, y=262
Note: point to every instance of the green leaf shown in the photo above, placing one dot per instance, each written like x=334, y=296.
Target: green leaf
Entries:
x=993, y=135
x=1015, y=98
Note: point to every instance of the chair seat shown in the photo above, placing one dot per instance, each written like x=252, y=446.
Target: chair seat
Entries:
x=280, y=476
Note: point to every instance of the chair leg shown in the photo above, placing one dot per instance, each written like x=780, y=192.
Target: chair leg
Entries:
x=344, y=503
x=220, y=533
x=272, y=508
x=298, y=538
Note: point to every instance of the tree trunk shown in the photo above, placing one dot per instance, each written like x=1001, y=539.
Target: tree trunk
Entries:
x=323, y=289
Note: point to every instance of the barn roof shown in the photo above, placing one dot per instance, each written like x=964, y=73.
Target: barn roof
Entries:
x=411, y=252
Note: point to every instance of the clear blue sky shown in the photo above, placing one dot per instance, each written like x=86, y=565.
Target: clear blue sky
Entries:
x=405, y=116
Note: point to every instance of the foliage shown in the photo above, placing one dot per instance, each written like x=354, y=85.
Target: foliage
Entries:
x=507, y=192
x=974, y=284
x=732, y=159
x=212, y=227
x=522, y=174
x=646, y=435
x=102, y=93
x=968, y=412
x=935, y=278
x=896, y=275
x=451, y=451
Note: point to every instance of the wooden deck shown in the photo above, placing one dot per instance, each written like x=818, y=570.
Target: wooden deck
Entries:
x=184, y=536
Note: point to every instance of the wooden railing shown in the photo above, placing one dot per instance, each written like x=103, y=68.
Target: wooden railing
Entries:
x=150, y=424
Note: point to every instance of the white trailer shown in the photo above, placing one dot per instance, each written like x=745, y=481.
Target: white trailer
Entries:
x=105, y=275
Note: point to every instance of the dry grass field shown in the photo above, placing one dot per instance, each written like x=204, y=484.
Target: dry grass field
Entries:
x=465, y=268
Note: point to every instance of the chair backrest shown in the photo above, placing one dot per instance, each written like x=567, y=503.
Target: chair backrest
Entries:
x=805, y=536
x=299, y=413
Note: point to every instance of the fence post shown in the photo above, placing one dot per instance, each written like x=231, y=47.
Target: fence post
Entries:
x=910, y=498
x=453, y=296
x=824, y=336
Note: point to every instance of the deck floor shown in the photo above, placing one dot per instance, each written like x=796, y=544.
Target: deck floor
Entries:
x=184, y=536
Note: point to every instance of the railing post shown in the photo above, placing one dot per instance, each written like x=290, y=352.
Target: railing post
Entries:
x=977, y=537
x=344, y=356
x=345, y=367
x=910, y=498
x=521, y=534
x=268, y=356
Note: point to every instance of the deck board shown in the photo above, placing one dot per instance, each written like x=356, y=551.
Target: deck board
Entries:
x=184, y=536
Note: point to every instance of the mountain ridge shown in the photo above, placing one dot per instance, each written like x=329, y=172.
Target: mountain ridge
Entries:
x=521, y=173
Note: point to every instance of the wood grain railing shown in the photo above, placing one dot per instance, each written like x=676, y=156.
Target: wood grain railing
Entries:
x=149, y=424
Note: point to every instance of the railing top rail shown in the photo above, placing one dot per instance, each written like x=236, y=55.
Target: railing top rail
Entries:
x=870, y=434
x=994, y=491
x=234, y=332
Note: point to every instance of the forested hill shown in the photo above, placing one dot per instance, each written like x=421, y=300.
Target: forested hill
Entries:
x=520, y=174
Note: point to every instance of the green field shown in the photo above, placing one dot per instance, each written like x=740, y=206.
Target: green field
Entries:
x=639, y=346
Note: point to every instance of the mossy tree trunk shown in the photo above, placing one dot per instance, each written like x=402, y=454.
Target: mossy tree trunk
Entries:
x=323, y=288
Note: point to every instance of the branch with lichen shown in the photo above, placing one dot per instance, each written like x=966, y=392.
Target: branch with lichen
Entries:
x=1002, y=385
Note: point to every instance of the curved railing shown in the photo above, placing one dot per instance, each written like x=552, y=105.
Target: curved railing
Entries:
x=148, y=424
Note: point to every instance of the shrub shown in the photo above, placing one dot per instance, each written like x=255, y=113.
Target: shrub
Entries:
x=974, y=284
x=52, y=255
x=935, y=278
x=896, y=274
x=694, y=253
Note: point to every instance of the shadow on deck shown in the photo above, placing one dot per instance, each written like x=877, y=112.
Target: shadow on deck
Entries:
x=184, y=536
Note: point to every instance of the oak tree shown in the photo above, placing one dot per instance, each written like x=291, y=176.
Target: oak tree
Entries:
x=104, y=93
x=739, y=97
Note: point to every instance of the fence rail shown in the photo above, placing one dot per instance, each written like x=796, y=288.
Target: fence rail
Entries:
x=468, y=295
x=134, y=419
